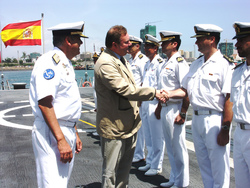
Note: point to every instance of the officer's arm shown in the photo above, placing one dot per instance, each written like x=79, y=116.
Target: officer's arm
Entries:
x=49, y=115
x=223, y=136
x=181, y=117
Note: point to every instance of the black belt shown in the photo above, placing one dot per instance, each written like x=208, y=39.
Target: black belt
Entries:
x=244, y=126
x=205, y=112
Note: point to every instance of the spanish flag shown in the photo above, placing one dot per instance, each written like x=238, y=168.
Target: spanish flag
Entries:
x=22, y=34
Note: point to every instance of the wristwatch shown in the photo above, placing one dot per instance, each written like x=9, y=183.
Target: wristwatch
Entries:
x=183, y=115
x=225, y=127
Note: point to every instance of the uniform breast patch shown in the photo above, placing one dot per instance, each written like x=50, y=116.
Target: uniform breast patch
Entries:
x=56, y=58
x=140, y=56
x=48, y=74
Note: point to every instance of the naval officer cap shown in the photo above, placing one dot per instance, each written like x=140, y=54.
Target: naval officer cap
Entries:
x=75, y=28
x=242, y=29
x=169, y=35
x=135, y=40
x=202, y=30
x=152, y=40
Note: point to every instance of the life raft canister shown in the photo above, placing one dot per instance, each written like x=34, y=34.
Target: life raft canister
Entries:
x=86, y=84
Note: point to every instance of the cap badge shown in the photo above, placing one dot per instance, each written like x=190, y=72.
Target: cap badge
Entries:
x=237, y=29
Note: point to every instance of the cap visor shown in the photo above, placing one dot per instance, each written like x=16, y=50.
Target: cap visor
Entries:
x=239, y=36
x=165, y=40
x=81, y=35
x=195, y=36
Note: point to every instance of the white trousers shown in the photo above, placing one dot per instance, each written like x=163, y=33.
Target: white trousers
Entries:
x=176, y=145
x=241, y=156
x=51, y=172
x=140, y=144
x=213, y=159
x=154, y=138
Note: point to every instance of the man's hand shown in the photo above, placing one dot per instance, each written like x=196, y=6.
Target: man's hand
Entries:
x=223, y=137
x=65, y=151
x=161, y=96
x=78, y=143
x=179, y=120
x=158, y=111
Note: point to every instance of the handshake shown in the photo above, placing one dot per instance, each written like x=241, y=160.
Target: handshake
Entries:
x=162, y=95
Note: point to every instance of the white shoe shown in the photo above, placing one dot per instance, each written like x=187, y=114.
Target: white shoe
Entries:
x=167, y=184
x=153, y=172
x=144, y=168
x=136, y=160
x=95, y=134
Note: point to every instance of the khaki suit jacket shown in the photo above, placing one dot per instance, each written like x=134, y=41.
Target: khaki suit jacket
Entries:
x=117, y=96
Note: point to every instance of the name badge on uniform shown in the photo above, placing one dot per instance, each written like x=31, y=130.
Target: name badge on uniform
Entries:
x=48, y=74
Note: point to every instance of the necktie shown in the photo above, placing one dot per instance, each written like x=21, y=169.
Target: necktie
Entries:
x=123, y=61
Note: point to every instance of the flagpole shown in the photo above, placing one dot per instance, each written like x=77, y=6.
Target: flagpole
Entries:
x=42, y=34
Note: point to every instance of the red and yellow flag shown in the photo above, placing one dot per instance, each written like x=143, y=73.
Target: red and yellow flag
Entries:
x=22, y=34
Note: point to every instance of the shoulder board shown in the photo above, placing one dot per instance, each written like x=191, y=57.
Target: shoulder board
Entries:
x=140, y=56
x=239, y=65
x=160, y=60
x=56, y=58
x=228, y=59
x=179, y=59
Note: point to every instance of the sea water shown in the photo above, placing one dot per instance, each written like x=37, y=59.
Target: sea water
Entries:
x=23, y=76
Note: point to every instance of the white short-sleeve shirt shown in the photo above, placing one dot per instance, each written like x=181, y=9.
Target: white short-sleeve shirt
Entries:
x=137, y=67
x=172, y=73
x=151, y=72
x=240, y=94
x=207, y=83
x=53, y=74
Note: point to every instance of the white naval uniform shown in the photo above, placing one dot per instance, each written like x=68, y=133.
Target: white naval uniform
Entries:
x=240, y=96
x=154, y=138
x=137, y=67
x=172, y=73
x=58, y=80
x=207, y=84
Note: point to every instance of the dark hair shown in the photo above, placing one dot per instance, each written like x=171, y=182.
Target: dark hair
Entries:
x=217, y=39
x=178, y=43
x=58, y=40
x=114, y=34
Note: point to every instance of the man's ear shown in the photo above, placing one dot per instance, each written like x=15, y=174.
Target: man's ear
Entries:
x=114, y=44
x=212, y=38
x=175, y=44
x=68, y=40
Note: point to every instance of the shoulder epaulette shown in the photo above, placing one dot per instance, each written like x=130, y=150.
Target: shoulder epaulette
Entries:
x=179, y=59
x=228, y=59
x=160, y=60
x=56, y=58
x=238, y=65
x=140, y=56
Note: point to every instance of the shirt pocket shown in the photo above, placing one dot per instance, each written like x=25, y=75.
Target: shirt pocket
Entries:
x=209, y=83
x=235, y=90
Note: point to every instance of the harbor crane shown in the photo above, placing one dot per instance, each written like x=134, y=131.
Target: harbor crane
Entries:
x=153, y=22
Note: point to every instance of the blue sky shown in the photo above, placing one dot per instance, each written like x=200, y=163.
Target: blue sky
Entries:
x=100, y=15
